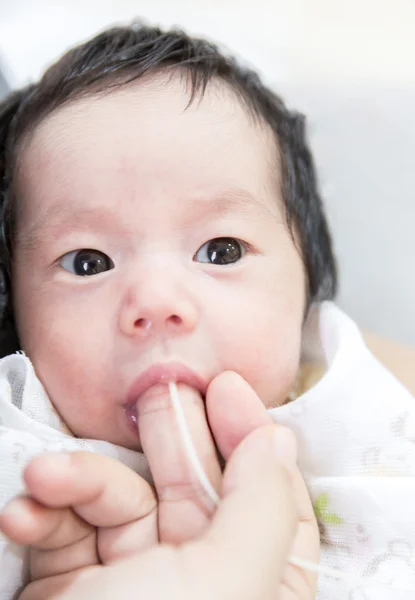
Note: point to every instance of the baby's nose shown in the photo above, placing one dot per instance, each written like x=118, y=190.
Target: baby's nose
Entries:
x=158, y=307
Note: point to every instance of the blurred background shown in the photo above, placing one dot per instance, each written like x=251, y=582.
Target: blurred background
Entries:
x=349, y=66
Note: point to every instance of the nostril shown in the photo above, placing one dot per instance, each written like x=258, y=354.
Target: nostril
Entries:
x=175, y=319
x=143, y=324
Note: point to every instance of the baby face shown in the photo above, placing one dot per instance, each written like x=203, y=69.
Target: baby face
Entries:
x=144, y=225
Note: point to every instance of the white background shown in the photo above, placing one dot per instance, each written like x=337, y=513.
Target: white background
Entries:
x=350, y=66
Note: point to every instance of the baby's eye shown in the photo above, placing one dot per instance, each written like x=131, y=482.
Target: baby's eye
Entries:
x=221, y=251
x=86, y=262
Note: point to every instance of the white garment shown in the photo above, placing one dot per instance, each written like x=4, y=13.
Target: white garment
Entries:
x=356, y=436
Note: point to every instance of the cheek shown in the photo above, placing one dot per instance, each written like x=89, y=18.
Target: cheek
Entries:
x=260, y=336
x=61, y=335
x=51, y=320
x=266, y=353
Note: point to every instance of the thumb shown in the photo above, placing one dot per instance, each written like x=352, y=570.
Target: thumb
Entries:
x=253, y=530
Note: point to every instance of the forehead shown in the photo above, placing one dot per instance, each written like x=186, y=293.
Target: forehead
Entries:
x=146, y=142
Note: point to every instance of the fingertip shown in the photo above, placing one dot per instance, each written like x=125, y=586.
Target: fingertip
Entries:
x=48, y=463
x=9, y=515
x=18, y=519
x=234, y=410
x=227, y=381
x=44, y=474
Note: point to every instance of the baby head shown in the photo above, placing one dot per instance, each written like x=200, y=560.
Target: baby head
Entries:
x=156, y=193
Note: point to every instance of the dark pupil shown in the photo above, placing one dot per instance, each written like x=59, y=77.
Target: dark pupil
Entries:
x=91, y=262
x=224, y=251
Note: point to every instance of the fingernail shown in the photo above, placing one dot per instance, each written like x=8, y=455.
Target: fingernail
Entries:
x=55, y=461
x=285, y=447
x=58, y=459
x=13, y=508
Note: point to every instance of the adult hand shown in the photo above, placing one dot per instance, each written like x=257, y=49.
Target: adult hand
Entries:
x=83, y=509
x=242, y=553
x=130, y=518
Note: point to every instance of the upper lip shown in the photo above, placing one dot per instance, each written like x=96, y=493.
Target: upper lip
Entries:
x=164, y=373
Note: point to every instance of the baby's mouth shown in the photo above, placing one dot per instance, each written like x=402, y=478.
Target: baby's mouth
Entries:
x=155, y=380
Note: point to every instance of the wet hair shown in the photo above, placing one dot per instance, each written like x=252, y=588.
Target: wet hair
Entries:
x=120, y=55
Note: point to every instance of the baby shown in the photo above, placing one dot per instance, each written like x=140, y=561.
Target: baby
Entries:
x=161, y=221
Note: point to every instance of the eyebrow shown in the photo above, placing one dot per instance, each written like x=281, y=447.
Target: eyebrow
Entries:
x=74, y=215
x=236, y=200
x=60, y=219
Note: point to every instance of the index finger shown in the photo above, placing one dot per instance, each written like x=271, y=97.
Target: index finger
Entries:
x=103, y=492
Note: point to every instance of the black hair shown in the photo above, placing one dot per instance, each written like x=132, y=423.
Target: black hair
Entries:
x=122, y=54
